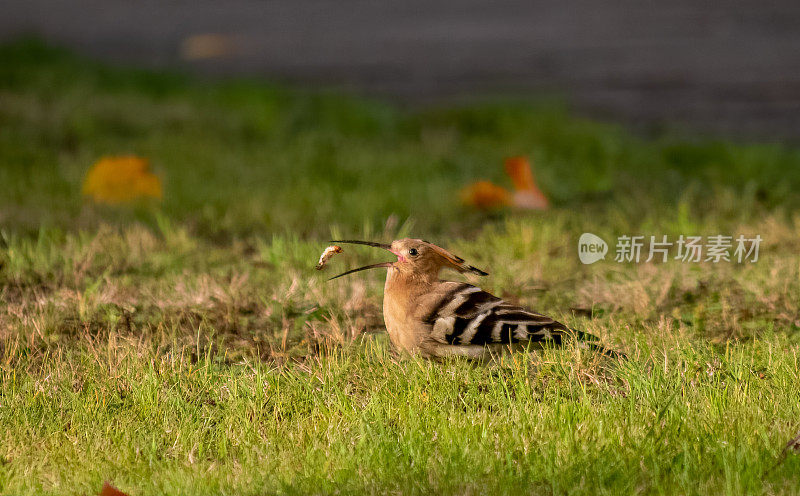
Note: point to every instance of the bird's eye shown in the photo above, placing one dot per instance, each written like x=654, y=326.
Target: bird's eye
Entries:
x=413, y=252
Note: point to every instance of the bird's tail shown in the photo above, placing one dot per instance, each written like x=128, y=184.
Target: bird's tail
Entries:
x=589, y=342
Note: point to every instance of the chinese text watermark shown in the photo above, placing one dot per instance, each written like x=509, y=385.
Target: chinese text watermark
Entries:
x=660, y=249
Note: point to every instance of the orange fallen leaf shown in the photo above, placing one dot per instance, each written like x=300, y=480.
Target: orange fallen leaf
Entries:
x=519, y=170
x=109, y=490
x=115, y=180
x=486, y=195
x=530, y=200
x=527, y=194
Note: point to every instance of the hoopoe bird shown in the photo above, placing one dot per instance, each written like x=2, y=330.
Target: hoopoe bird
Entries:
x=435, y=319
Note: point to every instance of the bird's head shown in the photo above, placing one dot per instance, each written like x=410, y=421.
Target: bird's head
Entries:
x=416, y=257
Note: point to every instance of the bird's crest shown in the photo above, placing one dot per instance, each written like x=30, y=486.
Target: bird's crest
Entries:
x=455, y=262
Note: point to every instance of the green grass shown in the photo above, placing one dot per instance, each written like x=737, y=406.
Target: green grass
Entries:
x=190, y=348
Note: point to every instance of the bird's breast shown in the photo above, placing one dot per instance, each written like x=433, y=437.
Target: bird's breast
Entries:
x=398, y=316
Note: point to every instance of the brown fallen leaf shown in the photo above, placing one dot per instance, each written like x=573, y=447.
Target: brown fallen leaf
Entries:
x=109, y=490
x=208, y=46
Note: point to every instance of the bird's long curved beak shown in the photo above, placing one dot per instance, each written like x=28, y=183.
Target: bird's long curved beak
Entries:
x=367, y=243
x=373, y=266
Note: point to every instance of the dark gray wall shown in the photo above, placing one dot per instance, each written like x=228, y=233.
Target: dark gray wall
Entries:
x=730, y=67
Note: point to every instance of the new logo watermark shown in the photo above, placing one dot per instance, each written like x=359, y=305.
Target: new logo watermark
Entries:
x=591, y=248
x=690, y=249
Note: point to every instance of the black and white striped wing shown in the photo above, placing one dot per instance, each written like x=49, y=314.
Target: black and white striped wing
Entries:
x=470, y=316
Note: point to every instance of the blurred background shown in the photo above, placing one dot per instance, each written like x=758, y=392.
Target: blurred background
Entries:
x=723, y=67
x=305, y=117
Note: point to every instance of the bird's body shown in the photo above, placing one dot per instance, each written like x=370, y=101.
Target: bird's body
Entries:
x=447, y=318
x=433, y=318
x=415, y=326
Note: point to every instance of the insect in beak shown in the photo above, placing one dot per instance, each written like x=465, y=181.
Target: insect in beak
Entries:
x=367, y=243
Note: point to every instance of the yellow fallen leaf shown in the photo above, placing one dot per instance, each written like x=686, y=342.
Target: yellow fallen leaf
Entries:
x=115, y=180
